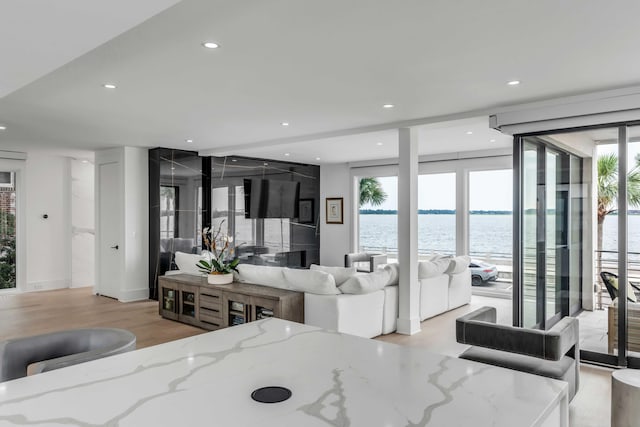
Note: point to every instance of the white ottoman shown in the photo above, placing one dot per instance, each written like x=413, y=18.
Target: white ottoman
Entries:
x=625, y=396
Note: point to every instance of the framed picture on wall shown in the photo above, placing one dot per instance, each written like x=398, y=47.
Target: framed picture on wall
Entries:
x=305, y=209
x=334, y=210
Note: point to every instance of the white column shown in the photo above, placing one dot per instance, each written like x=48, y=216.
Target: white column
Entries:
x=462, y=211
x=408, y=315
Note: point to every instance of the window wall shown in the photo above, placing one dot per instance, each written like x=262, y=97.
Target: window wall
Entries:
x=491, y=228
x=378, y=214
x=448, y=222
x=7, y=230
x=437, y=213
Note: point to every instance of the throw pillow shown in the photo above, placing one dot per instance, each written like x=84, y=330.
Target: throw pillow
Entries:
x=187, y=263
x=434, y=256
x=262, y=275
x=630, y=294
x=311, y=281
x=340, y=274
x=428, y=269
x=458, y=264
x=394, y=273
x=366, y=283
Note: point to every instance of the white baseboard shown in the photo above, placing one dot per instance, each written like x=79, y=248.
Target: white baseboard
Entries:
x=134, y=295
x=80, y=285
x=408, y=326
x=46, y=285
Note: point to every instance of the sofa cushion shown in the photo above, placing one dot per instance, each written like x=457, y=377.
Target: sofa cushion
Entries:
x=436, y=267
x=311, y=281
x=340, y=274
x=458, y=264
x=366, y=283
x=262, y=275
x=394, y=273
x=435, y=256
x=187, y=263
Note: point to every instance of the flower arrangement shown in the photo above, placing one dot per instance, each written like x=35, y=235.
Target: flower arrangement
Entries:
x=220, y=255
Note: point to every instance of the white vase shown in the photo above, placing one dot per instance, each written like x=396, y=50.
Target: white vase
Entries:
x=220, y=279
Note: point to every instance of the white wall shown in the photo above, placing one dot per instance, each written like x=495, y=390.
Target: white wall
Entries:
x=136, y=224
x=48, y=243
x=335, y=239
x=82, y=224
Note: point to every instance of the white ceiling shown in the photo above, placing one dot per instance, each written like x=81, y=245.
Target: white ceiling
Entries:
x=437, y=138
x=38, y=36
x=322, y=66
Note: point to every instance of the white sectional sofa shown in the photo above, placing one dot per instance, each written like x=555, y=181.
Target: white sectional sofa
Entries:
x=363, y=304
x=445, y=284
x=337, y=298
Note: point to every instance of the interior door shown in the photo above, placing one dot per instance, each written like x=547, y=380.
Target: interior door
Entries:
x=110, y=230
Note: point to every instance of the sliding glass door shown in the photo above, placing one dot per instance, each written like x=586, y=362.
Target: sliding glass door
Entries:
x=548, y=271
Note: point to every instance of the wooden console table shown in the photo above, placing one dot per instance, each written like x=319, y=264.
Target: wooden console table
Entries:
x=190, y=299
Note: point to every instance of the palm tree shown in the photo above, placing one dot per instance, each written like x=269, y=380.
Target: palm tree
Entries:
x=371, y=192
x=608, y=191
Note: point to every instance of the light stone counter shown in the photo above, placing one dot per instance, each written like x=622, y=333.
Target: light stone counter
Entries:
x=337, y=380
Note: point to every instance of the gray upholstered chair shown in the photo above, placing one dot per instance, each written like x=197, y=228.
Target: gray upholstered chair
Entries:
x=357, y=259
x=60, y=349
x=554, y=353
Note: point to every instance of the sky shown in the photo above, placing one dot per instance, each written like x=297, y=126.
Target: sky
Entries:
x=489, y=190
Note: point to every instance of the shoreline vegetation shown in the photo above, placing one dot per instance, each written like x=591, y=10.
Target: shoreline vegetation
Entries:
x=452, y=212
x=429, y=212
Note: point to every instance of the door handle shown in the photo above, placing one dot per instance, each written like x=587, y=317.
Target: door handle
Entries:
x=114, y=247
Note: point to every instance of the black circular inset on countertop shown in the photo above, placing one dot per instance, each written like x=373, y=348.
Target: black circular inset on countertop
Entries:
x=272, y=394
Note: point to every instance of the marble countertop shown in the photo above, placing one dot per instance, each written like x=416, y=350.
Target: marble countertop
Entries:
x=337, y=380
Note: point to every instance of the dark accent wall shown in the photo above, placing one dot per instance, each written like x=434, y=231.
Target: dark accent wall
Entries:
x=183, y=176
x=178, y=207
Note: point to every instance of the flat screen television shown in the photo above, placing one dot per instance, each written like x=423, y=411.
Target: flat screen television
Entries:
x=271, y=198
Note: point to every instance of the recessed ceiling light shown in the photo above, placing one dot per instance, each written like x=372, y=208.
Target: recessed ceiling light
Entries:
x=388, y=106
x=317, y=158
x=492, y=140
x=3, y=127
x=85, y=161
x=285, y=123
x=514, y=83
x=109, y=86
x=378, y=143
x=211, y=45
x=469, y=132
x=173, y=168
x=266, y=164
x=189, y=140
x=287, y=154
x=234, y=160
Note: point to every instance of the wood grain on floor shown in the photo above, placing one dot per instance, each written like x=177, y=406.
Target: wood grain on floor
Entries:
x=41, y=312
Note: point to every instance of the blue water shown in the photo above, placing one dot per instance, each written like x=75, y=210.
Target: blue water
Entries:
x=489, y=234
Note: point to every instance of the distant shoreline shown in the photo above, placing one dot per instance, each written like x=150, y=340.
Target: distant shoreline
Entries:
x=452, y=212
x=429, y=212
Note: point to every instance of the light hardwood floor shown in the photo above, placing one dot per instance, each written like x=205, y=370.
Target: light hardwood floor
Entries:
x=41, y=312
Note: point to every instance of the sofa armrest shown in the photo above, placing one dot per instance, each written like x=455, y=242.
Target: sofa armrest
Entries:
x=564, y=337
x=377, y=260
x=478, y=328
